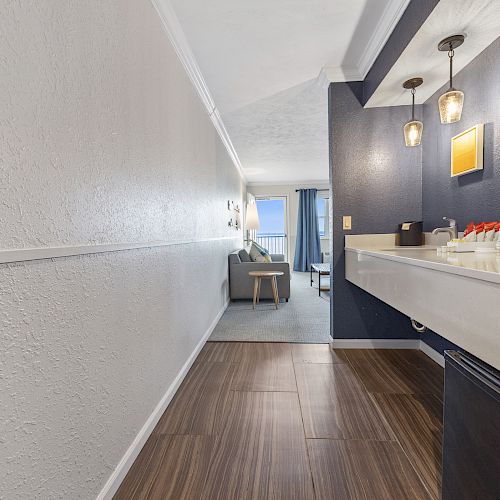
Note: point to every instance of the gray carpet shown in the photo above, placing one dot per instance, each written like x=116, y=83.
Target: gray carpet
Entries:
x=305, y=318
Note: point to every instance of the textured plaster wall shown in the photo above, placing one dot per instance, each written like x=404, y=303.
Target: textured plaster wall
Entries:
x=378, y=181
x=102, y=140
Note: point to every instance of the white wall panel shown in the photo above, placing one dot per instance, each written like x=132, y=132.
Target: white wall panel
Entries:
x=103, y=140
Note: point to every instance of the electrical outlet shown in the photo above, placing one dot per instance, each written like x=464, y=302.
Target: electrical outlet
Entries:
x=347, y=222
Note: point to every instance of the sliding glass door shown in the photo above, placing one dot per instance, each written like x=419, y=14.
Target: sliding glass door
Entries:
x=273, y=224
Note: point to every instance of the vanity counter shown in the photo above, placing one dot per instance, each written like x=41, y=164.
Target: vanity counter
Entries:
x=473, y=265
x=456, y=295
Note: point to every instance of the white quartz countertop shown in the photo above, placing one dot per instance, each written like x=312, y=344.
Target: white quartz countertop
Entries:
x=473, y=265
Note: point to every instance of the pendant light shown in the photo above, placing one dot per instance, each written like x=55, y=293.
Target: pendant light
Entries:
x=452, y=101
x=413, y=129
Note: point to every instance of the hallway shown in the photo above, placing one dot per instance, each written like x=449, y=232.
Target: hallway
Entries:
x=305, y=318
x=156, y=157
x=296, y=421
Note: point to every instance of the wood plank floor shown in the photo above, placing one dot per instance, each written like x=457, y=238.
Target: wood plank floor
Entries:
x=289, y=421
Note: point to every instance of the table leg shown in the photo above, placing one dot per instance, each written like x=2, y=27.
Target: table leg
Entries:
x=255, y=285
x=258, y=290
x=274, y=283
x=319, y=283
x=311, y=276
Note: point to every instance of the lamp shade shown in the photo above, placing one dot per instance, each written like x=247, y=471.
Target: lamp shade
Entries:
x=450, y=106
x=413, y=133
x=252, y=217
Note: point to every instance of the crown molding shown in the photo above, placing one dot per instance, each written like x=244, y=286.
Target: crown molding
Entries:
x=178, y=39
x=388, y=21
x=294, y=184
x=329, y=74
x=323, y=81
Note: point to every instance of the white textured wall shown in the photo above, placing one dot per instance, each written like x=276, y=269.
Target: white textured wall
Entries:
x=102, y=140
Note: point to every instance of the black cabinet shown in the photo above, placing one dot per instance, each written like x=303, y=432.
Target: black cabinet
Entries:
x=471, y=441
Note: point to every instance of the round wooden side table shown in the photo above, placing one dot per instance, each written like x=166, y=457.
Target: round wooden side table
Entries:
x=272, y=275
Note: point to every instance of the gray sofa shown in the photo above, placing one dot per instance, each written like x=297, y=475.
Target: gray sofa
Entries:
x=241, y=285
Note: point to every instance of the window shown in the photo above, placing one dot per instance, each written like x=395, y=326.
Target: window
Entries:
x=271, y=216
x=322, y=210
x=272, y=221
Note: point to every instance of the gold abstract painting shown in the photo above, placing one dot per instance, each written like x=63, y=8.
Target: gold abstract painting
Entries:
x=467, y=151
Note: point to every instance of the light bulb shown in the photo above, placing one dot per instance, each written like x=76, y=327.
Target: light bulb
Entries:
x=413, y=133
x=450, y=106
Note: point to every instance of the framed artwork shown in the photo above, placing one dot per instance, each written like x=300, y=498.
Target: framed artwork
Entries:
x=467, y=151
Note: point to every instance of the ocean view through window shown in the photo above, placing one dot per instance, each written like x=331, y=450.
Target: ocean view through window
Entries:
x=272, y=218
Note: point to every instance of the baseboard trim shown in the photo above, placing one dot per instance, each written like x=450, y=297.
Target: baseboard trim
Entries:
x=434, y=355
x=376, y=344
x=118, y=475
x=389, y=344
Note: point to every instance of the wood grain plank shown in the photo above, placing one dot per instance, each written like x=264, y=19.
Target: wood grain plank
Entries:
x=335, y=405
x=169, y=467
x=220, y=352
x=199, y=401
x=236, y=444
x=363, y=470
x=393, y=371
x=262, y=452
x=416, y=420
x=314, y=353
x=265, y=367
x=410, y=357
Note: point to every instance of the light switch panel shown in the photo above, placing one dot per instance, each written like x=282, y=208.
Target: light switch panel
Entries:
x=347, y=222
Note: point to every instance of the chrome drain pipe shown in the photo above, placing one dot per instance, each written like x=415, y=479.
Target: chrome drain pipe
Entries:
x=418, y=326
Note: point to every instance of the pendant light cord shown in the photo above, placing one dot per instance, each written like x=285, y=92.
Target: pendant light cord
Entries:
x=451, y=53
x=413, y=104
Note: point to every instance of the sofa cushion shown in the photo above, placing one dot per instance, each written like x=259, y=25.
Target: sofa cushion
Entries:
x=243, y=255
x=259, y=254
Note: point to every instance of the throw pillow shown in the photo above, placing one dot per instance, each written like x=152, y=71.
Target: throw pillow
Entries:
x=259, y=254
x=243, y=255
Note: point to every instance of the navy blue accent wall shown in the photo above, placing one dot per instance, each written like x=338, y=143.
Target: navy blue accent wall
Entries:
x=438, y=343
x=414, y=16
x=473, y=196
x=380, y=183
x=376, y=180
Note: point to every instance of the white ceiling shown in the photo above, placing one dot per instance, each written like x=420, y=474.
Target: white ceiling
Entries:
x=478, y=20
x=284, y=137
x=261, y=60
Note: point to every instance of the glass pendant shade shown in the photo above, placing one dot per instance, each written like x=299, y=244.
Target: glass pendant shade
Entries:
x=413, y=133
x=450, y=106
x=413, y=129
x=451, y=103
